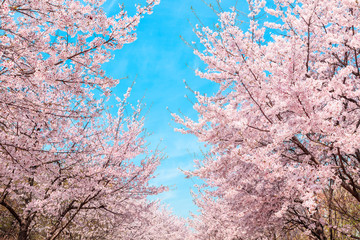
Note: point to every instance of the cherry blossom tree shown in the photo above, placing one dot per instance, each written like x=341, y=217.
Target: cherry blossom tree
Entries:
x=68, y=167
x=283, y=127
x=159, y=223
x=152, y=222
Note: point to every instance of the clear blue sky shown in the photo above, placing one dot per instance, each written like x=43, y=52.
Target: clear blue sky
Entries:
x=159, y=61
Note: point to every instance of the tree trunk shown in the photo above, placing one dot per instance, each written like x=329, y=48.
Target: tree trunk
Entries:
x=23, y=233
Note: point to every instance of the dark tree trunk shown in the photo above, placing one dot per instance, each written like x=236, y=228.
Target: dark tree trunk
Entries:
x=24, y=230
x=23, y=234
x=319, y=232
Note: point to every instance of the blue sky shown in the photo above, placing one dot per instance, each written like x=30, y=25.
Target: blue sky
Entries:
x=159, y=61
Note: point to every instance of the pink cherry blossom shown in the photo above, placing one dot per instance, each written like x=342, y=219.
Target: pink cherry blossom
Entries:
x=283, y=126
x=70, y=169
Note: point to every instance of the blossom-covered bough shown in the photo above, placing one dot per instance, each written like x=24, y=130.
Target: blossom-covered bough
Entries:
x=67, y=168
x=284, y=126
